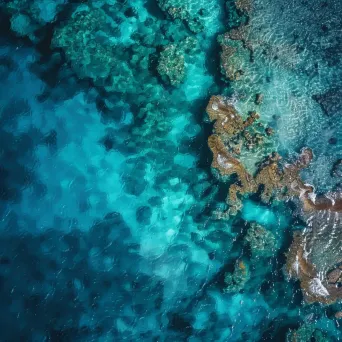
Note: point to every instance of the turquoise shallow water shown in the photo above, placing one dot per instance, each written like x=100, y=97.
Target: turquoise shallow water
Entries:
x=107, y=199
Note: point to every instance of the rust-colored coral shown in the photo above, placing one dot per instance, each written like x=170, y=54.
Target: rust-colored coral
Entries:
x=229, y=126
x=315, y=286
x=321, y=203
x=231, y=132
x=273, y=179
x=270, y=177
x=227, y=119
x=225, y=162
x=227, y=165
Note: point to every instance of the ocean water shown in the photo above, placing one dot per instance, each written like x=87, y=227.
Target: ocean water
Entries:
x=108, y=202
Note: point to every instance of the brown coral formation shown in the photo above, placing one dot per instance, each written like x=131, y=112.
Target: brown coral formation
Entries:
x=227, y=165
x=224, y=162
x=270, y=177
x=272, y=180
x=236, y=47
x=227, y=120
x=316, y=287
x=314, y=257
x=232, y=133
x=298, y=267
x=318, y=248
x=322, y=203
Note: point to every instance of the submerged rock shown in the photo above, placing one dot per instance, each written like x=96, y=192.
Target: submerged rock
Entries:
x=330, y=101
x=172, y=61
x=261, y=241
x=86, y=40
x=171, y=65
x=227, y=119
x=338, y=314
x=236, y=281
x=259, y=98
x=143, y=215
x=336, y=170
x=30, y=17
x=245, y=6
x=180, y=9
x=306, y=333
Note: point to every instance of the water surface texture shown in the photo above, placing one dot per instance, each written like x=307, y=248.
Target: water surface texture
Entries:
x=131, y=210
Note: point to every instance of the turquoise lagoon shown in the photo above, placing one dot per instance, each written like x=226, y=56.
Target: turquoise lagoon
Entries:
x=108, y=231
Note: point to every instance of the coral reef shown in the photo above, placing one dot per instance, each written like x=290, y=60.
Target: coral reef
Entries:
x=86, y=41
x=107, y=231
x=171, y=65
x=236, y=54
x=261, y=241
x=315, y=262
x=177, y=9
x=318, y=273
x=227, y=165
x=314, y=256
x=89, y=219
x=244, y=138
x=29, y=17
x=228, y=121
x=125, y=62
x=172, y=60
x=237, y=12
x=234, y=58
x=231, y=135
x=306, y=333
x=235, y=281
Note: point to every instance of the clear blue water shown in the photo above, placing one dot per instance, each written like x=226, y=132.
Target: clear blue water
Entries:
x=107, y=198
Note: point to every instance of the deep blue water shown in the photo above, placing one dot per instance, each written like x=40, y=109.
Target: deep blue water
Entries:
x=107, y=198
